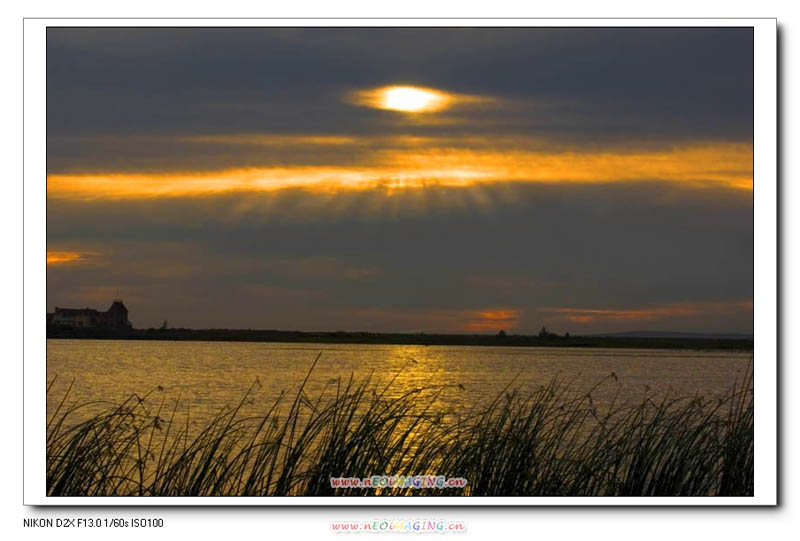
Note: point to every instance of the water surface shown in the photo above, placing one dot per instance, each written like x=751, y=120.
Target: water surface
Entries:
x=206, y=376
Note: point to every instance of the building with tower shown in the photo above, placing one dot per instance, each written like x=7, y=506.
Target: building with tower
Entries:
x=116, y=317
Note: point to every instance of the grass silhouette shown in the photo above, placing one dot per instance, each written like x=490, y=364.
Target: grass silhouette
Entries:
x=550, y=442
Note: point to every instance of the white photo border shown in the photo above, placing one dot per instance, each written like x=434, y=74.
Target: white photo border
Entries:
x=765, y=264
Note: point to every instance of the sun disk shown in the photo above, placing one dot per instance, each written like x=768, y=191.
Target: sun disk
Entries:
x=411, y=99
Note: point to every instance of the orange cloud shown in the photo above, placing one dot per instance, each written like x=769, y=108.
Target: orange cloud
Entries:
x=64, y=257
x=728, y=164
x=493, y=320
x=724, y=164
x=438, y=319
x=581, y=319
x=273, y=140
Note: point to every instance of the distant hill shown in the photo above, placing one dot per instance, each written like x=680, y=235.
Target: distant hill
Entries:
x=667, y=334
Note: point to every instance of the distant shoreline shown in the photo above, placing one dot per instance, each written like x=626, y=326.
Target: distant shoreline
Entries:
x=421, y=339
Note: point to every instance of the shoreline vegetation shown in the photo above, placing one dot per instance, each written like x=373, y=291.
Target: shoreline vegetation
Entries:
x=554, y=441
x=422, y=339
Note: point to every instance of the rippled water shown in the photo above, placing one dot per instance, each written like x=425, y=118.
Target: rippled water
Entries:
x=207, y=376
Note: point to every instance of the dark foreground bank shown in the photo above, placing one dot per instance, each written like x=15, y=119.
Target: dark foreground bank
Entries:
x=343, y=337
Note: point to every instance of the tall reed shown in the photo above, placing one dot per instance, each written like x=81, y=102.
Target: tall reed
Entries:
x=551, y=442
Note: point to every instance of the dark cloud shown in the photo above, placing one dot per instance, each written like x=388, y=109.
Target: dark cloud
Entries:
x=668, y=81
x=607, y=256
x=611, y=246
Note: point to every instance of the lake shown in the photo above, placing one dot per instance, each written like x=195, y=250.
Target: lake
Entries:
x=207, y=376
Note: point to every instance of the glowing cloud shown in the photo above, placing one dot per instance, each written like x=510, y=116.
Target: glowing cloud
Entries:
x=725, y=164
x=63, y=257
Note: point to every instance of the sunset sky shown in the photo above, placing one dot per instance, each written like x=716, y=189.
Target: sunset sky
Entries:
x=387, y=179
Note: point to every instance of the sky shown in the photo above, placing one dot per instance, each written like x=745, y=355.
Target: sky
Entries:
x=589, y=180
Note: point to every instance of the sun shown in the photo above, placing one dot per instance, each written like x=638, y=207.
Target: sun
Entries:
x=412, y=99
x=403, y=98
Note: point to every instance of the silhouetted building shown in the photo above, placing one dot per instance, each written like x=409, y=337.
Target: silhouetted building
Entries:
x=116, y=317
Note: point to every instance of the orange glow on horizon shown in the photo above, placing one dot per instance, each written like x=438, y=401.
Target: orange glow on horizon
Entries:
x=493, y=320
